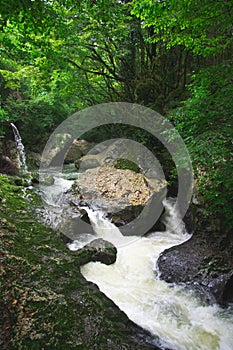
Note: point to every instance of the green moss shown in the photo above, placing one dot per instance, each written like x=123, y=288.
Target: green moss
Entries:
x=45, y=302
x=125, y=164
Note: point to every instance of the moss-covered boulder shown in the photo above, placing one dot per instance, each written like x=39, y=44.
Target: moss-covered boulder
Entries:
x=98, y=250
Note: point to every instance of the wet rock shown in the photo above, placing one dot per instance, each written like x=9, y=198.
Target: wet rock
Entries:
x=227, y=294
x=46, y=180
x=22, y=181
x=35, y=178
x=203, y=264
x=78, y=149
x=8, y=166
x=98, y=250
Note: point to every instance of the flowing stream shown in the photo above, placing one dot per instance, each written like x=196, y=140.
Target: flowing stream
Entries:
x=180, y=319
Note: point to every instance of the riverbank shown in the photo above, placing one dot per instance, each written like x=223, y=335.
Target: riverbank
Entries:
x=45, y=301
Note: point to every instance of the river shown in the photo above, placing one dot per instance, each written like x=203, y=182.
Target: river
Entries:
x=174, y=313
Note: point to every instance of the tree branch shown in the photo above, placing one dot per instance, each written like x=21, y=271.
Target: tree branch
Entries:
x=104, y=74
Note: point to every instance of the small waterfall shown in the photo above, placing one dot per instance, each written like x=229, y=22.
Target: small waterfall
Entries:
x=20, y=148
x=173, y=313
x=105, y=229
x=172, y=219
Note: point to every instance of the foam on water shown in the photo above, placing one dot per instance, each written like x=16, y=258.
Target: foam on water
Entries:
x=173, y=313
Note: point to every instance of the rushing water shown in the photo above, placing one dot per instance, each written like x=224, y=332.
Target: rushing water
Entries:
x=55, y=210
x=172, y=312
x=20, y=148
x=179, y=318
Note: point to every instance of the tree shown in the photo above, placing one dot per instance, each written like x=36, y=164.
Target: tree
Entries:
x=204, y=27
x=204, y=119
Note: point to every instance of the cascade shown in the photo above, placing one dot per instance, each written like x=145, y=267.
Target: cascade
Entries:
x=20, y=148
x=172, y=312
x=180, y=319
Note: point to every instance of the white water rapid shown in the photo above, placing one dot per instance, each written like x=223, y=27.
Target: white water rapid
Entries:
x=172, y=312
x=20, y=148
x=175, y=314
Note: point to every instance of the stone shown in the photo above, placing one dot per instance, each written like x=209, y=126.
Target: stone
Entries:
x=98, y=250
x=120, y=193
x=9, y=158
x=78, y=149
x=8, y=166
x=202, y=265
x=87, y=162
x=114, y=153
x=46, y=180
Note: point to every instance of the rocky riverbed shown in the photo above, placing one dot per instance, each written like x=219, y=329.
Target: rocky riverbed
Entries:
x=204, y=263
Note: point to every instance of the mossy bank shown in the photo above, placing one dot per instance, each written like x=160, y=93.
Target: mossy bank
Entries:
x=45, y=301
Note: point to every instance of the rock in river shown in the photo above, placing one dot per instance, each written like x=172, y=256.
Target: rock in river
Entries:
x=98, y=250
x=122, y=194
x=202, y=263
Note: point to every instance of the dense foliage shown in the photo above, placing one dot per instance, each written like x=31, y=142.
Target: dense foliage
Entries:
x=60, y=56
x=202, y=26
x=205, y=122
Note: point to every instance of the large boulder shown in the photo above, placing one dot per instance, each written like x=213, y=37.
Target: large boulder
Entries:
x=63, y=148
x=116, y=191
x=110, y=152
x=115, y=187
x=9, y=157
x=204, y=263
x=78, y=149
